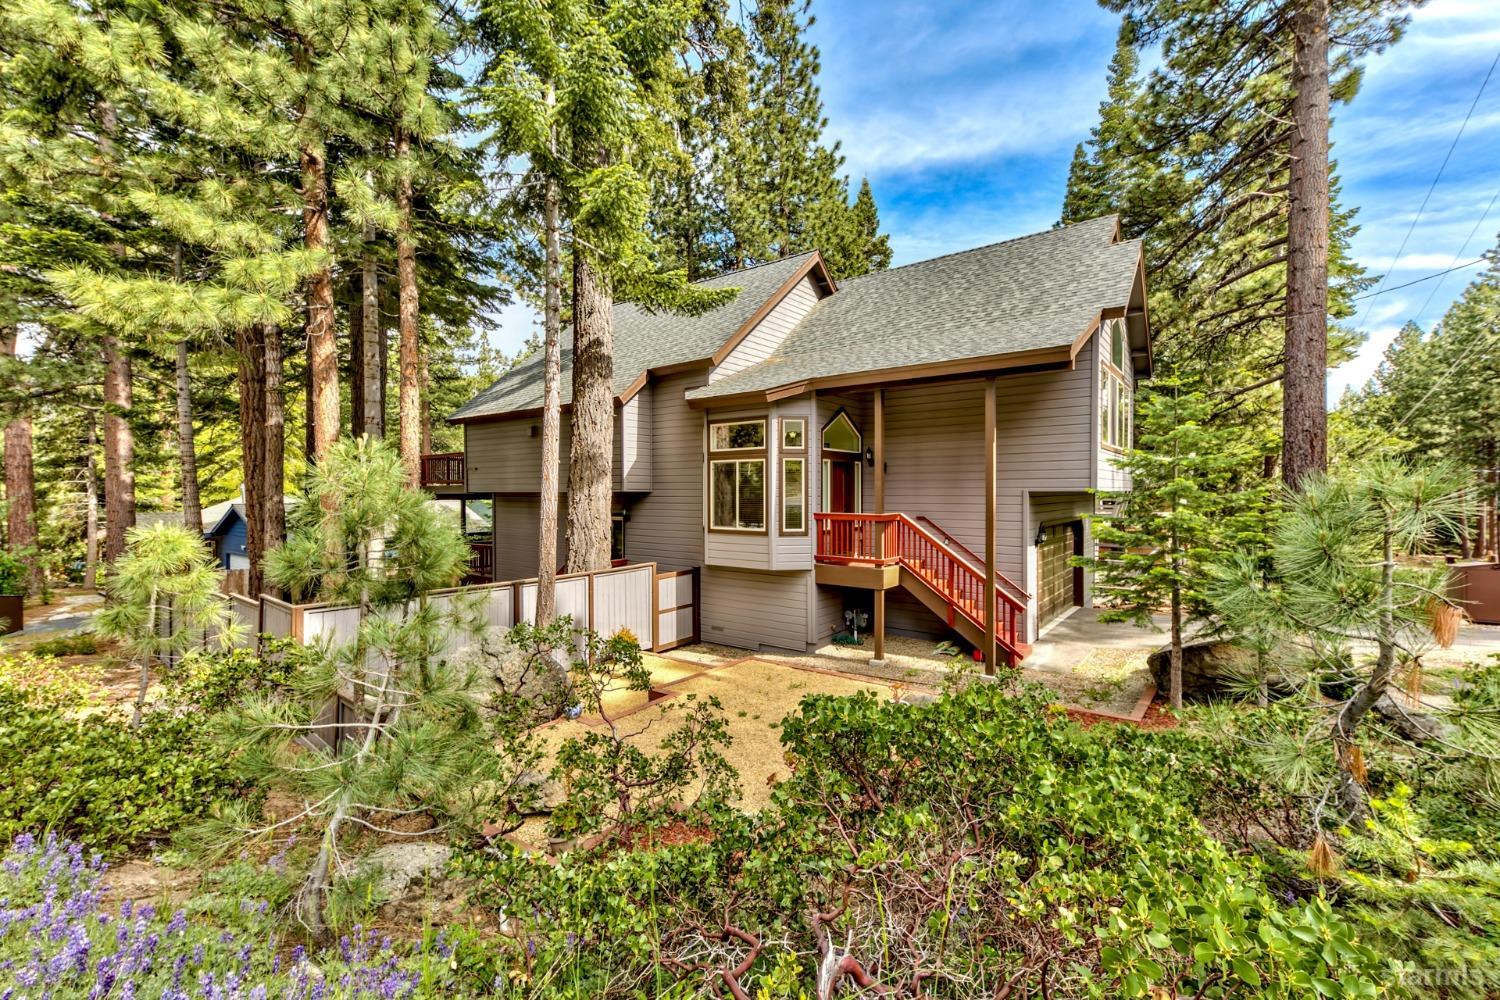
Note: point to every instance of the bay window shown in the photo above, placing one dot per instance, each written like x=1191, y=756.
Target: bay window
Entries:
x=737, y=476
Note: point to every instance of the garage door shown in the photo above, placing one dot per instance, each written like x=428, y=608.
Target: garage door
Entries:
x=1055, y=573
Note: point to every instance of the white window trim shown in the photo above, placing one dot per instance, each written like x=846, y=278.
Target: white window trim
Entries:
x=802, y=421
x=735, y=423
x=784, y=494
x=737, y=462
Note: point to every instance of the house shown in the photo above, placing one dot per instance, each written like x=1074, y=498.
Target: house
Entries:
x=223, y=528
x=881, y=445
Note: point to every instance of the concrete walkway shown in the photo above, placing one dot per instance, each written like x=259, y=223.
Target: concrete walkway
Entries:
x=1066, y=644
x=71, y=613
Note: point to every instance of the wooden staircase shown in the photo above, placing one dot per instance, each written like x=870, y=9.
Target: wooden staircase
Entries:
x=934, y=567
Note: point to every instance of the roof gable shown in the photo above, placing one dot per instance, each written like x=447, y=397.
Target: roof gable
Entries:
x=1036, y=295
x=647, y=341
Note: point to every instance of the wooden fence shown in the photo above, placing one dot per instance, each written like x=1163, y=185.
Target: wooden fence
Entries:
x=659, y=608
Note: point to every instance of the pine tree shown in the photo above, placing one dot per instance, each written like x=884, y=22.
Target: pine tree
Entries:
x=1195, y=157
x=1169, y=527
x=164, y=599
x=595, y=141
x=363, y=538
x=1341, y=578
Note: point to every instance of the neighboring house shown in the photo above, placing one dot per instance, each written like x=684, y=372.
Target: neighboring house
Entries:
x=818, y=447
x=223, y=528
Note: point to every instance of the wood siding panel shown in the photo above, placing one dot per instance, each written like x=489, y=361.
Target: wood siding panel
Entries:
x=666, y=527
x=752, y=609
x=768, y=334
x=505, y=456
x=515, y=536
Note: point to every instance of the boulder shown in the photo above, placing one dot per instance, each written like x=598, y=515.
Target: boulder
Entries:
x=1413, y=724
x=401, y=865
x=1213, y=669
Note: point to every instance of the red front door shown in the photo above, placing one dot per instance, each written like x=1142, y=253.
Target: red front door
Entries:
x=841, y=476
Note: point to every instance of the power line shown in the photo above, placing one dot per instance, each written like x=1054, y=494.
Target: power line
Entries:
x=1439, y=176
x=1418, y=281
x=1479, y=222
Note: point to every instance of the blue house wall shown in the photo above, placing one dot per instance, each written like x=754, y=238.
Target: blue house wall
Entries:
x=231, y=538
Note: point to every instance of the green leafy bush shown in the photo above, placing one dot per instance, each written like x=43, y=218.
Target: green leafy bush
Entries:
x=948, y=848
x=87, y=776
x=76, y=644
x=212, y=681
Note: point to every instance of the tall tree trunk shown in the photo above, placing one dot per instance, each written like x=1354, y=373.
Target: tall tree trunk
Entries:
x=546, y=553
x=91, y=514
x=249, y=344
x=119, y=449
x=1304, y=421
x=187, y=454
x=356, y=368
x=322, y=345
x=273, y=448
x=372, y=363
x=589, y=455
x=410, y=396
x=20, y=485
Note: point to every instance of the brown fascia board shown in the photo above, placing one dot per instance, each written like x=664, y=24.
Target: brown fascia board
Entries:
x=1040, y=357
x=813, y=264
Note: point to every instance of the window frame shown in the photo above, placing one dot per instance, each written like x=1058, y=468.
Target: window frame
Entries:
x=715, y=424
x=858, y=434
x=737, y=457
x=800, y=457
x=781, y=429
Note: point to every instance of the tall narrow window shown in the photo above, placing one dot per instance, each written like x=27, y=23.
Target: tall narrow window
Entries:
x=737, y=476
x=1114, y=395
x=794, y=496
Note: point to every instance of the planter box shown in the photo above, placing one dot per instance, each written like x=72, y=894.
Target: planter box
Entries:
x=11, y=619
x=1477, y=586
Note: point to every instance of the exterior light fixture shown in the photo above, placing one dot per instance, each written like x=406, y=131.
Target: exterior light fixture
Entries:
x=870, y=456
x=1041, y=534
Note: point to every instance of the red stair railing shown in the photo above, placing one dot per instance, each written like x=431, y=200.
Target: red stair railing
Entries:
x=887, y=539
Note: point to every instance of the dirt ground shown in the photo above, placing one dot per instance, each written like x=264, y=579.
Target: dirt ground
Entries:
x=755, y=695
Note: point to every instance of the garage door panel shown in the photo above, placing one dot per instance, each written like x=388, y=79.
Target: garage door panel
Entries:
x=1055, y=572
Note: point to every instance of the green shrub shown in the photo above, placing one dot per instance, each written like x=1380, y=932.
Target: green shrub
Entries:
x=978, y=840
x=87, y=776
x=213, y=680
x=76, y=644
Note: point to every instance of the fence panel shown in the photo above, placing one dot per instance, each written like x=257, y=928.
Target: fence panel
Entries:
x=676, y=609
x=276, y=617
x=622, y=600
x=246, y=612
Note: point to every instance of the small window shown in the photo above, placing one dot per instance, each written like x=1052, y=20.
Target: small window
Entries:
x=744, y=435
x=738, y=498
x=1117, y=343
x=617, y=537
x=842, y=435
x=793, y=434
x=793, y=496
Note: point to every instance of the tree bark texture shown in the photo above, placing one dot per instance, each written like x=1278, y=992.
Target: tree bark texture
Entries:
x=356, y=368
x=119, y=449
x=20, y=484
x=322, y=345
x=589, y=456
x=371, y=363
x=1305, y=385
x=273, y=446
x=187, y=454
x=250, y=346
x=409, y=400
x=91, y=512
x=546, y=571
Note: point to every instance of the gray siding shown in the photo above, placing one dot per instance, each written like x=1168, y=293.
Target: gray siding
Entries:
x=768, y=334
x=515, y=536
x=666, y=526
x=755, y=609
x=505, y=456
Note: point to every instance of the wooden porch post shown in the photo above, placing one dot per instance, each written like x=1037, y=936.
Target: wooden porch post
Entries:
x=990, y=647
x=880, y=509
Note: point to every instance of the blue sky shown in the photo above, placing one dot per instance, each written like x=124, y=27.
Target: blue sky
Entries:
x=964, y=117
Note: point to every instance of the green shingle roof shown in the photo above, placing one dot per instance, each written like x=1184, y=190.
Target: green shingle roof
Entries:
x=645, y=340
x=1031, y=293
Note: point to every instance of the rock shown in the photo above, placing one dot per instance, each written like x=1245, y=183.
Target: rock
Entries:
x=1213, y=670
x=1413, y=724
x=401, y=865
x=550, y=794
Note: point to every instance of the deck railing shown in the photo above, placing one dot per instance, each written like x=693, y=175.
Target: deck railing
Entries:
x=443, y=469
x=896, y=539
